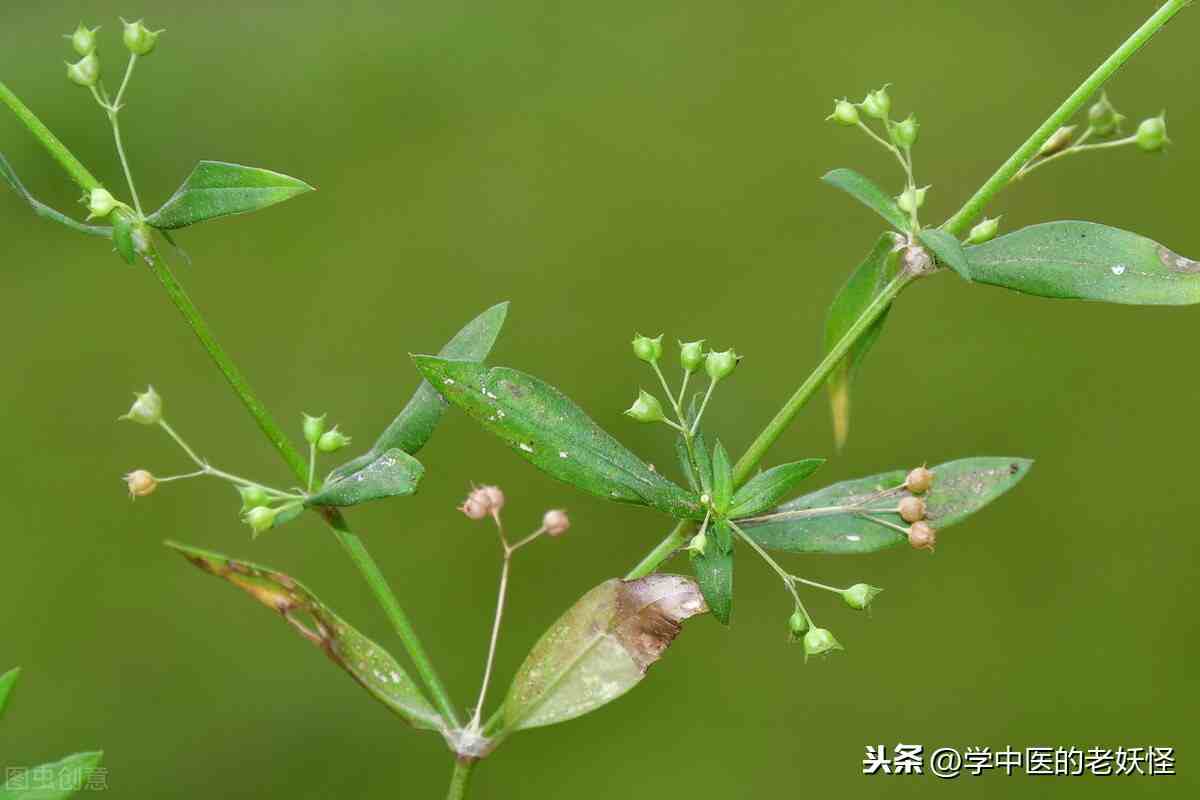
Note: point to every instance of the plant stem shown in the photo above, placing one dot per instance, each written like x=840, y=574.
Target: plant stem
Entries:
x=958, y=224
x=491, y=656
x=461, y=777
x=58, y=151
x=1079, y=147
x=662, y=552
x=116, y=129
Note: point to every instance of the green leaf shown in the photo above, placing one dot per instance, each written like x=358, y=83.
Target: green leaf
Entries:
x=217, y=189
x=766, y=489
x=43, y=210
x=7, y=681
x=1087, y=261
x=51, y=781
x=600, y=649
x=368, y=663
x=859, y=291
x=122, y=236
x=714, y=574
x=413, y=426
x=554, y=434
x=948, y=250
x=870, y=195
x=393, y=474
x=836, y=519
x=722, y=469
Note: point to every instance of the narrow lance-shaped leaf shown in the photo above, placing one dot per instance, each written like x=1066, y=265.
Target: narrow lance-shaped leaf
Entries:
x=7, y=681
x=722, y=479
x=413, y=426
x=393, y=474
x=1087, y=261
x=838, y=518
x=550, y=431
x=766, y=489
x=948, y=249
x=870, y=195
x=859, y=291
x=56, y=781
x=600, y=649
x=714, y=573
x=373, y=667
x=218, y=189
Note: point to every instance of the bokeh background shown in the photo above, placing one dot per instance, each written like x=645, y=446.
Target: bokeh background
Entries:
x=610, y=168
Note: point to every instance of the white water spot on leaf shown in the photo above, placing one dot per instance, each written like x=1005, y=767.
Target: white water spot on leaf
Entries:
x=448, y=381
x=853, y=538
x=1118, y=269
x=562, y=454
x=525, y=447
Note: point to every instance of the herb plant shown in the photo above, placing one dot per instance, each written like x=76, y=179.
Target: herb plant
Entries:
x=602, y=646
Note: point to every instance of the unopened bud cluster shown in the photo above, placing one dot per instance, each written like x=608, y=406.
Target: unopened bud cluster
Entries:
x=913, y=509
x=717, y=365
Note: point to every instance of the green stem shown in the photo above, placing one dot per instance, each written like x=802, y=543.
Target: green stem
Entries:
x=116, y=129
x=1079, y=147
x=460, y=778
x=675, y=540
x=962, y=220
x=58, y=151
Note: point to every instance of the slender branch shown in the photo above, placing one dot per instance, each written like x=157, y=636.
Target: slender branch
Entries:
x=962, y=220
x=461, y=777
x=116, y=129
x=1078, y=147
x=664, y=550
x=491, y=656
x=58, y=151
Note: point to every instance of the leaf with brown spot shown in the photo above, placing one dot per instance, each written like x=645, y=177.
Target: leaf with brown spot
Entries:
x=600, y=649
x=373, y=667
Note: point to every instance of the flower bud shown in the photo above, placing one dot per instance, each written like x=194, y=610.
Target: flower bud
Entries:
x=146, y=409
x=100, y=203
x=919, y=481
x=646, y=408
x=916, y=260
x=83, y=40
x=260, y=518
x=985, y=231
x=1059, y=140
x=904, y=133
x=556, y=522
x=698, y=543
x=1152, y=134
x=494, y=498
x=140, y=483
x=647, y=349
x=860, y=595
x=922, y=536
x=85, y=71
x=912, y=509
x=721, y=365
x=819, y=641
x=253, y=497
x=475, y=507
x=691, y=355
x=139, y=39
x=314, y=427
x=877, y=104
x=797, y=625
x=332, y=440
x=911, y=199
x=844, y=113
x=1103, y=118
x=482, y=501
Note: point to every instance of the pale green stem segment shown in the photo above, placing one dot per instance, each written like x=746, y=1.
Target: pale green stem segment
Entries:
x=961, y=221
x=1078, y=147
x=460, y=778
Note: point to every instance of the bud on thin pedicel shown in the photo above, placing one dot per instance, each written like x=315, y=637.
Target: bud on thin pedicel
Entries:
x=556, y=522
x=494, y=499
x=260, y=518
x=146, y=409
x=877, y=104
x=922, y=536
x=313, y=428
x=919, y=481
x=332, y=440
x=646, y=408
x=912, y=509
x=1152, y=134
x=140, y=483
x=797, y=625
x=691, y=355
x=819, y=641
x=904, y=133
x=100, y=203
x=721, y=365
x=253, y=497
x=985, y=231
x=911, y=199
x=647, y=349
x=844, y=113
x=860, y=595
x=1103, y=118
x=139, y=39
x=83, y=40
x=698, y=543
x=85, y=72
x=1059, y=140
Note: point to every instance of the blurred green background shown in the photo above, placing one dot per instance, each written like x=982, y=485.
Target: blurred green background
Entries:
x=610, y=168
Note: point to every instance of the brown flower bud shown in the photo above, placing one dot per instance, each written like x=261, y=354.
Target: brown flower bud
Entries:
x=482, y=501
x=140, y=483
x=556, y=522
x=919, y=481
x=922, y=536
x=912, y=509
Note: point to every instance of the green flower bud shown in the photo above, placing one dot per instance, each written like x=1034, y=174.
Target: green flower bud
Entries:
x=146, y=409
x=797, y=625
x=332, y=440
x=646, y=408
x=139, y=39
x=100, y=203
x=85, y=71
x=647, y=349
x=1103, y=119
x=911, y=199
x=904, y=134
x=1152, y=134
x=985, y=231
x=844, y=113
x=313, y=428
x=721, y=365
x=691, y=355
x=698, y=543
x=260, y=518
x=1059, y=140
x=819, y=641
x=877, y=104
x=83, y=40
x=860, y=595
x=253, y=497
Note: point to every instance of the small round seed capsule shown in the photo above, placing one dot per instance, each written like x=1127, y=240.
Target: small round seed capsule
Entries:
x=798, y=625
x=140, y=483
x=691, y=355
x=877, y=104
x=904, y=133
x=919, y=481
x=646, y=408
x=844, y=113
x=912, y=509
x=556, y=522
x=1152, y=134
x=922, y=536
x=647, y=349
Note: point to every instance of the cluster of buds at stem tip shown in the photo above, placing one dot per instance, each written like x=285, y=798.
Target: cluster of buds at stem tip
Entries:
x=139, y=39
x=484, y=501
x=141, y=483
x=147, y=408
